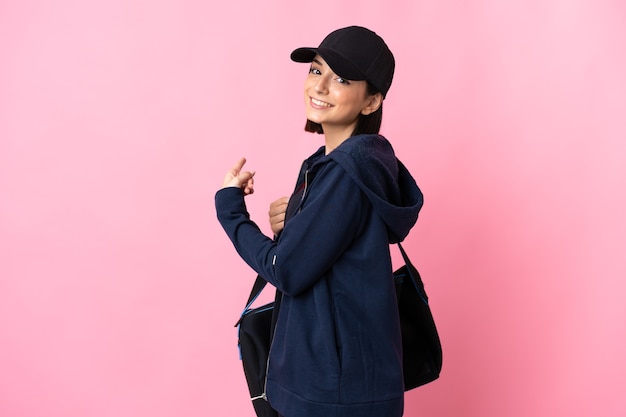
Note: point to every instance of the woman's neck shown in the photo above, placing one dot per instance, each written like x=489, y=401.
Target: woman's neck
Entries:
x=333, y=137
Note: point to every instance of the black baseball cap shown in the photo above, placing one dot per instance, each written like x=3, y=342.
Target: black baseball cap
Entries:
x=354, y=53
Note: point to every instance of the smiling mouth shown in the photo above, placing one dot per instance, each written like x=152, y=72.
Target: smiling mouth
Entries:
x=319, y=103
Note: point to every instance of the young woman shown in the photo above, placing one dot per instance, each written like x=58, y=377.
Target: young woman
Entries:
x=336, y=350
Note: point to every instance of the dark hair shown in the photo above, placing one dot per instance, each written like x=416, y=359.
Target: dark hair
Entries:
x=366, y=124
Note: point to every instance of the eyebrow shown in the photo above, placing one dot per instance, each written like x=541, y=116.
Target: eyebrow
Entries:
x=316, y=61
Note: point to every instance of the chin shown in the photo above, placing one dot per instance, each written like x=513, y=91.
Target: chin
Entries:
x=314, y=119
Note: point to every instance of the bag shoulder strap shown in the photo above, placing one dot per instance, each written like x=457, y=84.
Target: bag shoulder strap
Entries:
x=404, y=255
x=414, y=275
x=260, y=283
x=258, y=286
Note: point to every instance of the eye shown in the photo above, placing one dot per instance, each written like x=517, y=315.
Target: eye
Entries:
x=315, y=71
x=343, y=81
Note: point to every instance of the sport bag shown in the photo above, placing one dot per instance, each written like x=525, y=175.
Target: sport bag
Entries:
x=421, y=346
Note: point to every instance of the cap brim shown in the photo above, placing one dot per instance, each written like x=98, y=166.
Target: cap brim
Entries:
x=303, y=54
x=340, y=65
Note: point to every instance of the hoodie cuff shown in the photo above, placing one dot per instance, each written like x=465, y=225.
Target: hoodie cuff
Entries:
x=229, y=201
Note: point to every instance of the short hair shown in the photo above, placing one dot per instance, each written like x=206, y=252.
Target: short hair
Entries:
x=366, y=124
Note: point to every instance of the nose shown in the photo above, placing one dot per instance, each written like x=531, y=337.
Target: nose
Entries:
x=321, y=86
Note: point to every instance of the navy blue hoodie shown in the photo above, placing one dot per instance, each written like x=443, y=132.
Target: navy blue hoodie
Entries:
x=336, y=350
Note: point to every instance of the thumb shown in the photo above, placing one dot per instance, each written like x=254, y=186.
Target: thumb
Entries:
x=245, y=176
x=237, y=180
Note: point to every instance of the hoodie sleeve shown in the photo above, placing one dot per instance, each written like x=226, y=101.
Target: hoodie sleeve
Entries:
x=312, y=240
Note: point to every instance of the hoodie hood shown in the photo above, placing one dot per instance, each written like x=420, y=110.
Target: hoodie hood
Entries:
x=372, y=164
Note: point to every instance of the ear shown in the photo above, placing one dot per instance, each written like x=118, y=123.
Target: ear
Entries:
x=372, y=104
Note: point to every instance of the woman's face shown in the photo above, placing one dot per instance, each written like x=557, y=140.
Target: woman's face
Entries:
x=332, y=101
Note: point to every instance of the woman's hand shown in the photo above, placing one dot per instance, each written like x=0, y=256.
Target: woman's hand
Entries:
x=277, y=214
x=236, y=178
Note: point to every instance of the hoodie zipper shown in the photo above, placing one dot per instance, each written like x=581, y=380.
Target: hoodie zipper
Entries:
x=267, y=367
x=267, y=364
x=306, y=186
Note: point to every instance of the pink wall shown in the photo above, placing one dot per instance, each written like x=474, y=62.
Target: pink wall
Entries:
x=118, y=289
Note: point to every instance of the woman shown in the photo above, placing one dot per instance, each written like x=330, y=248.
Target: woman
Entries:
x=336, y=350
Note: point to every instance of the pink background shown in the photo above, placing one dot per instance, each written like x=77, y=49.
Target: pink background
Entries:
x=118, y=119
